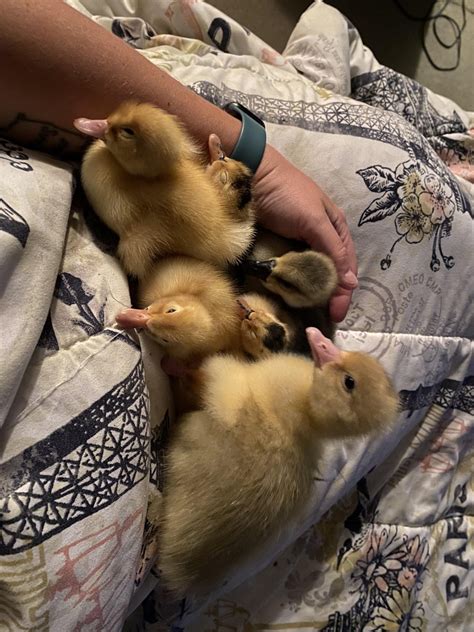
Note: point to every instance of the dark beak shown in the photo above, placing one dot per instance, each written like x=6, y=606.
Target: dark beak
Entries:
x=259, y=269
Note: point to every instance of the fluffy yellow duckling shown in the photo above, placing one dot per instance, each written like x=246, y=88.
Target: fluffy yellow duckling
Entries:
x=189, y=308
x=145, y=179
x=192, y=310
x=238, y=469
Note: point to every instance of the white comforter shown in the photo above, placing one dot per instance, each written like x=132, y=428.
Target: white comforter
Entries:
x=386, y=541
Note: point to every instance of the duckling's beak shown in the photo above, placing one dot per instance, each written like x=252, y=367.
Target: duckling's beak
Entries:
x=259, y=269
x=215, y=148
x=323, y=350
x=96, y=128
x=133, y=318
x=243, y=309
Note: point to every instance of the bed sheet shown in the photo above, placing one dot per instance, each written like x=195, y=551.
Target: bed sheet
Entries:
x=386, y=539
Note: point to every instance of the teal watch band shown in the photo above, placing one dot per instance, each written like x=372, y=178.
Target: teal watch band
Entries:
x=251, y=143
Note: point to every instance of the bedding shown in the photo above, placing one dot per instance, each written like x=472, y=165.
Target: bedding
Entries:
x=385, y=542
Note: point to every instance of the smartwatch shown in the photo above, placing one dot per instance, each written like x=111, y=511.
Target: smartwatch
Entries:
x=251, y=143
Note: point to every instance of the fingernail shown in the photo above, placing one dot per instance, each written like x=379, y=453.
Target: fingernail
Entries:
x=350, y=279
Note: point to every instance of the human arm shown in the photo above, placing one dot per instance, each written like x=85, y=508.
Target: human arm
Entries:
x=59, y=65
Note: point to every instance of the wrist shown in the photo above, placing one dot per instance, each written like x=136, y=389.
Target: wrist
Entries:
x=268, y=163
x=270, y=160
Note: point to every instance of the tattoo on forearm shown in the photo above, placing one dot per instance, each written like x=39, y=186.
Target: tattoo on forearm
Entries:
x=45, y=136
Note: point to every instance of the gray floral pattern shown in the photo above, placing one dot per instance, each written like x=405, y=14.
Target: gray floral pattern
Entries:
x=387, y=576
x=424, y=204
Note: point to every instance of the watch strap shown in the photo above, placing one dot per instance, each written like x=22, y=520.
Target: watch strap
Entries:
x=250, y=145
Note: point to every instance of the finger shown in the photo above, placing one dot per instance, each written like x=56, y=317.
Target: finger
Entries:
x=339, y=221
x=339, y=304
x=347, y=240
x=325, y=238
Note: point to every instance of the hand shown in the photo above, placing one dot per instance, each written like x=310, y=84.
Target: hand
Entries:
x=290, y=204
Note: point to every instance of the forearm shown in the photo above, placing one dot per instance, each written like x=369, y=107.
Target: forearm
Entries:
x=58, y=65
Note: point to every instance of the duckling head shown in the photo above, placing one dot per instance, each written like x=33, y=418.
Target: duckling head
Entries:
x=301, y=279
x=262, y=334
x=144, y=139
x=181, y=326
x=351, y=393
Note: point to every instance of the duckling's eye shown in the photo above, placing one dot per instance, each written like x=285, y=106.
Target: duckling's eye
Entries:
x=170, y=310
x=128, y=131
x=349, y=383
x=224, y=176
